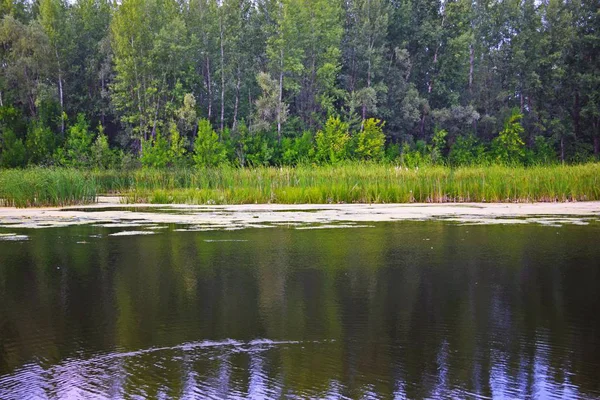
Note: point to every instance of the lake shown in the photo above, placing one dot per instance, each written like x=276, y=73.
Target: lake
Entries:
x=380, y=310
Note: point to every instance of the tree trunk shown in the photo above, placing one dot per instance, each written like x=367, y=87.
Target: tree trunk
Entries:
x=435, y=55
x=222, y=77
x=577, y=116
x=596, y=127
x=562, y=150
x=60, y=94
x=237, y=99
x=209, y=87
x=471, y=63
x=280, y=100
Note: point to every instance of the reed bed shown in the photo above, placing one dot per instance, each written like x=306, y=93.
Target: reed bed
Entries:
x=38, y=187
x=350, y=183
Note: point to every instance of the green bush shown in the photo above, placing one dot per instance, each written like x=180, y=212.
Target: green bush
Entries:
x=257, y=148
x=332, y=142
x=155, y=152
x=101, y=155
x=508, y=147
x=297, y=150
x=77, y=148
x=417, y=156
x=467, y=150
x=370, y=140
x=208, y=150
x=177, y=149
x=542, y=153
x=13, y=153
x=40, y=144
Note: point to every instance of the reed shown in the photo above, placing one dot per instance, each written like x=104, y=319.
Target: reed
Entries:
x=38, y=187
x=348, y=183
x=367, y=183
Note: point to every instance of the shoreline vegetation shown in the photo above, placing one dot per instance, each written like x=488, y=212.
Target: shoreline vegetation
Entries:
x=309, y=184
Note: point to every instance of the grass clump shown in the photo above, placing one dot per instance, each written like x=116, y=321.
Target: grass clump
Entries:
x=38, y=187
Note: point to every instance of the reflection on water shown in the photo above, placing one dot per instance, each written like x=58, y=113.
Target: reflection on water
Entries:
x=398, y=310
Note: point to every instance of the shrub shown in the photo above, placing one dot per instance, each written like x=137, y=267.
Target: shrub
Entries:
x=467, y=150
x=101, y=155
x=208, y=150
x=40, y=144
x=417, y=156
x=77, y=149
x=332, y=142
x=297, y=150
x=155, y=152
x=13, y=150
x=177, y=151
x=508, y=147
x=438, y=145
x=542, y=153
x=370, y=140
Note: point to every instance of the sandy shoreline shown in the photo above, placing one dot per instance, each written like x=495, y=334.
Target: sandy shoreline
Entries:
x=108, y=212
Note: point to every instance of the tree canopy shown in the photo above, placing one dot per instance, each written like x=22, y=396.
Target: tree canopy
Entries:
x=276, y=76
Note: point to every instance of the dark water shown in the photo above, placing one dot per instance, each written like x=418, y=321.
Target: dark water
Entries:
x=398, y=310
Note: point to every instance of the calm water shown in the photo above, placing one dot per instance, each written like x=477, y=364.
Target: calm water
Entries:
x=397, y=310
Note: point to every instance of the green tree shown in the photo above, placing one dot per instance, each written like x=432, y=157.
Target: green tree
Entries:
x=370, y=140
x=508, y=147
x=77, y=148
x=12, y=150
x=102, y=156
x=208, y=150
x=149, y=41
x=332, y=141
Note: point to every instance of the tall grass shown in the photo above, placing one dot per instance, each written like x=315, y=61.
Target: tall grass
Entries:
x=39, y=187
x=368, y=183
x=350, y=183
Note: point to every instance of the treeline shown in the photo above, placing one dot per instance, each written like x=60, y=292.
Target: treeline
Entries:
x=271, y=82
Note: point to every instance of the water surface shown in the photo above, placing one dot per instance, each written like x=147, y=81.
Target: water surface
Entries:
x=392, y=310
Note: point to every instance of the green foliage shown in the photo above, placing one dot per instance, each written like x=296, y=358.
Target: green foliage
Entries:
x=508, y=147
x=12, y=150
x=77, y=148
x=432, y=73
x=177, y=149
x=370, y=140
x=438, y=145
x=155, y=152
x=101, y=155
x=332, y=141
x=298, y=149
x=258, y=148
x=40, y=144
x=542, y=153
x=418, y=155
x=208, y=150
x=467, y=150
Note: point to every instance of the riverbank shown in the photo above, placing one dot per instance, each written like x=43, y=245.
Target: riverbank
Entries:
x=306, y=216
x=348, y=183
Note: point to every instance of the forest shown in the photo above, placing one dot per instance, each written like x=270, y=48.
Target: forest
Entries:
x=161, y=83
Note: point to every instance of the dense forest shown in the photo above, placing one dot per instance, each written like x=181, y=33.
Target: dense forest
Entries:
x=271, y=82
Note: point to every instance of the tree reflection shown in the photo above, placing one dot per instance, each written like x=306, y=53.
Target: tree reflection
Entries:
x=403, y=310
